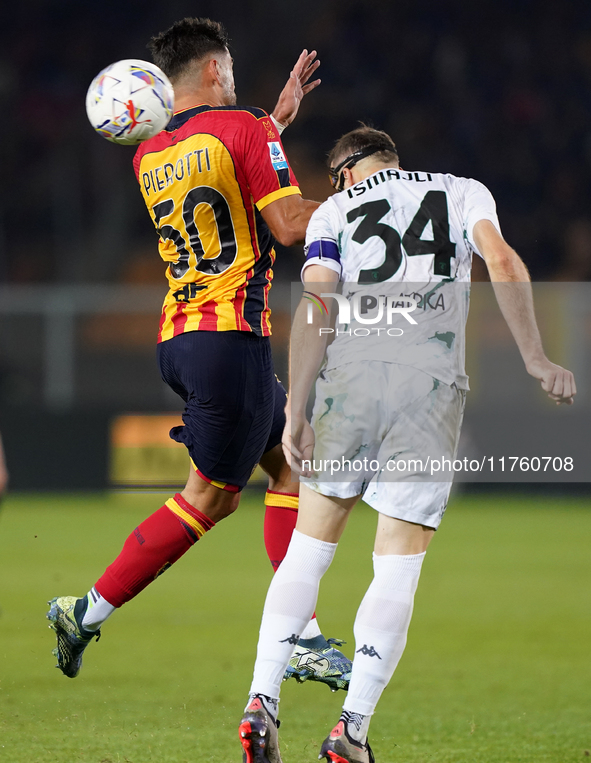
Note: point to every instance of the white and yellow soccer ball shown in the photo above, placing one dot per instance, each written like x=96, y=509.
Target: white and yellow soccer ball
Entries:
x=130, y=101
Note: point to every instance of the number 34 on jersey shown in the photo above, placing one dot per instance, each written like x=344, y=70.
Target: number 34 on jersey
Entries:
x=400, y=226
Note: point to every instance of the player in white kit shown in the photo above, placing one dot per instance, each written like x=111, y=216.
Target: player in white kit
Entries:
x=391, y=391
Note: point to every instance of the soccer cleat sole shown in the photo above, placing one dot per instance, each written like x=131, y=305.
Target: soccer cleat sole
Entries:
x=301, y=676
x=337, y=751
x=332, y=757
x=253, y=741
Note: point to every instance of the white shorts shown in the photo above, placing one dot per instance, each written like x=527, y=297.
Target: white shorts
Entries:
x=378, y=426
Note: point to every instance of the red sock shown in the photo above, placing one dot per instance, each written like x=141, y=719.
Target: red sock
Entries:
x=280, y=519
x=152, y=548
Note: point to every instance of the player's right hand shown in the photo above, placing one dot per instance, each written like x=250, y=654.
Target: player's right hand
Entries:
x=296, y=88
x=298, y=444
x=556, y=381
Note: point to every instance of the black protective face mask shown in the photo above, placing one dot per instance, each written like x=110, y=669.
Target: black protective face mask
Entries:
x=336, y=179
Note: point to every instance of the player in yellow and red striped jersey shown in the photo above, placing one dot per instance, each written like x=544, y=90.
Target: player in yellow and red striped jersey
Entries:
x=220, y=190
x=205, y=180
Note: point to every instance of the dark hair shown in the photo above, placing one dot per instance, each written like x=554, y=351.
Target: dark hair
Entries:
x=186, y=41
x=364, y=137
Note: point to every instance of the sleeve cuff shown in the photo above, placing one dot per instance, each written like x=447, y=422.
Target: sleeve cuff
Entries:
x=280, y=193
x=278, y=126
x=324, y=263
x=470, y=232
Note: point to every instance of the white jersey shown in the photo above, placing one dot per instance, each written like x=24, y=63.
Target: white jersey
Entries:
x=402, y=234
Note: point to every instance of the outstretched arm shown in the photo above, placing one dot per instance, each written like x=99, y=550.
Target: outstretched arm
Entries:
x=288, y=218
x=513, y=291
x=296, y=88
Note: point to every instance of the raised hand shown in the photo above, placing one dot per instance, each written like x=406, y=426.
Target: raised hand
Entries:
x=296, y=88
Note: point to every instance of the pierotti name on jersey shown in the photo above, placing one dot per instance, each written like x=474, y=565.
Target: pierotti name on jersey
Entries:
x=383, y=177
x=161, y=177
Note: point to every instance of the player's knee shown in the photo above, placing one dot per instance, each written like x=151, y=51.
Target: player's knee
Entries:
x=284, y=484
x=224, y=508
x=215, y=503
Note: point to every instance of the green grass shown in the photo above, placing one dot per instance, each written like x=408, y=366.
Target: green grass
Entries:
x=497, y=669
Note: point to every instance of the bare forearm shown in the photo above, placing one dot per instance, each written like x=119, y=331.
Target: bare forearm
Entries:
x=517, y=306
x=296, y=226
x=288, y=218
x=513, y=291
x=307, y=348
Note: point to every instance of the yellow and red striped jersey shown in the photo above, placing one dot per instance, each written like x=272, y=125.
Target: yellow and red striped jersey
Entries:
x=205, y=179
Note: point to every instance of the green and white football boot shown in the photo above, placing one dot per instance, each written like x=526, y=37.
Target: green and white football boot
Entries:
x=316, y=659
x=65, y=615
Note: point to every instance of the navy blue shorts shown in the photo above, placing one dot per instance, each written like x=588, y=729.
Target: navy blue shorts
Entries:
x=234, y=404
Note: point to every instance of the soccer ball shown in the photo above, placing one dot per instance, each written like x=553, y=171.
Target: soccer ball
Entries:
x=130, y=101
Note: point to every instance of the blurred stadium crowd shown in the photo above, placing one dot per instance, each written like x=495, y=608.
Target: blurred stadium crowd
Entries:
x=500, y=91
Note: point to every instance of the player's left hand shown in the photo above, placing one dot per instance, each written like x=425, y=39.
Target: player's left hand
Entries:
x=556, y=381
x=296, y=88
x=298, y=444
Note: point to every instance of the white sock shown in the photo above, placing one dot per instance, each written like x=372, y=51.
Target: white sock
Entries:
x=97, y=611
x=311, y=630
x=357, y=725
x=381, y=627
x=290, y=602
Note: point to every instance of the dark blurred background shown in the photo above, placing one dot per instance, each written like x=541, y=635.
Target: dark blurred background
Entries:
x=499, y=91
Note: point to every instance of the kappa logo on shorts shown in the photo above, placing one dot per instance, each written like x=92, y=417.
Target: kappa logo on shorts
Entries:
x=278, y=159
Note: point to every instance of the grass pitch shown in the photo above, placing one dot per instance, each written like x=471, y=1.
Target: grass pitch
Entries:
x=497, y=669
